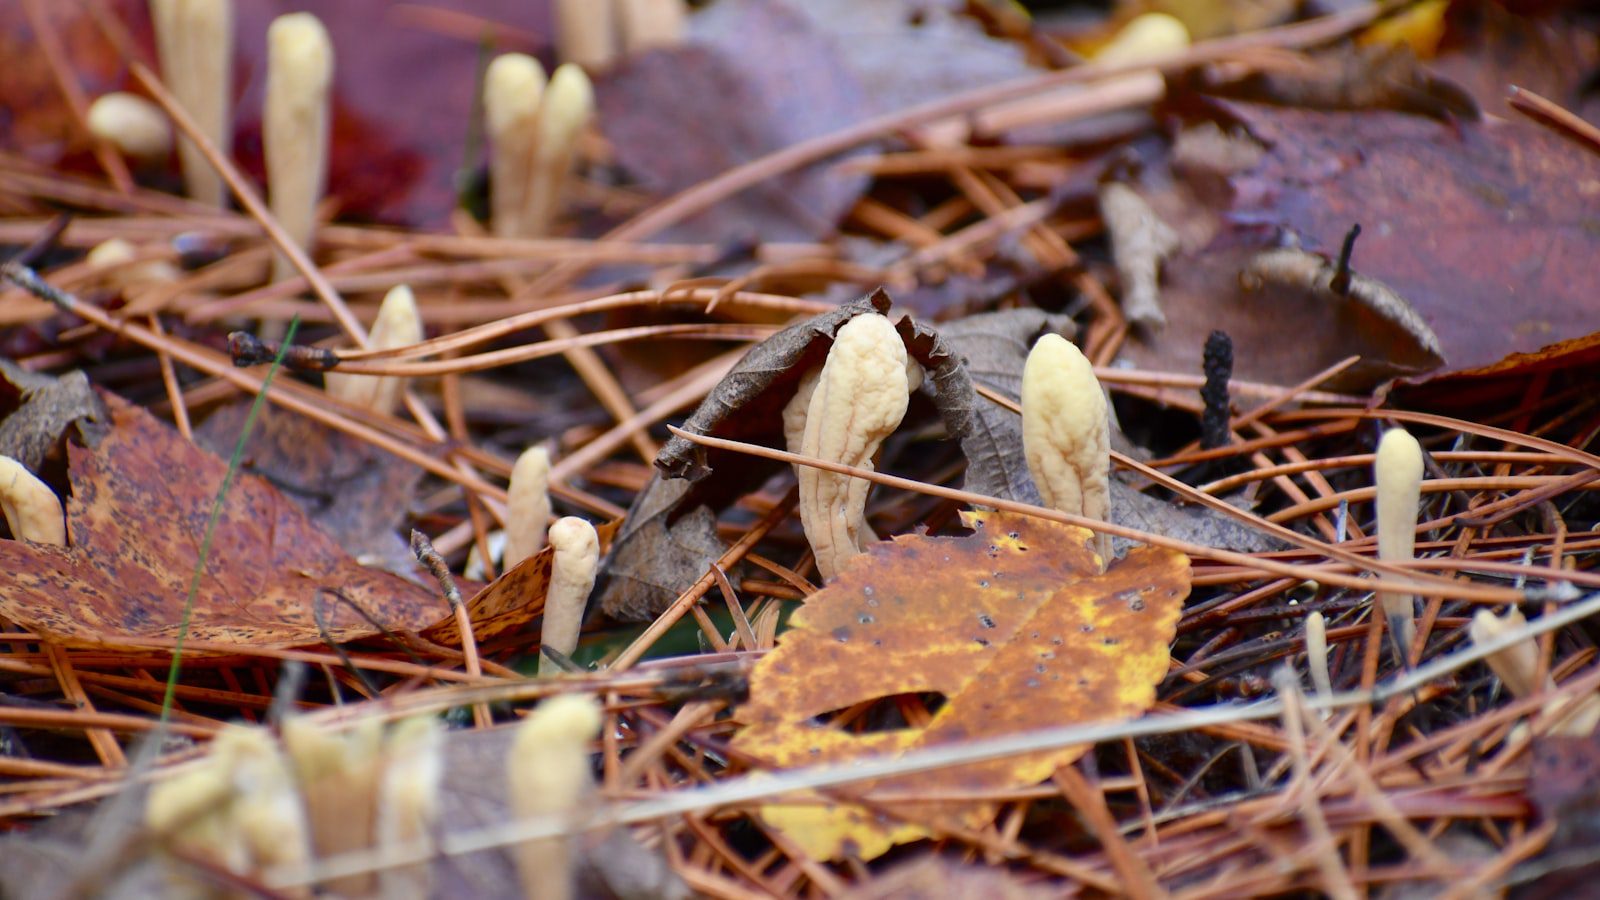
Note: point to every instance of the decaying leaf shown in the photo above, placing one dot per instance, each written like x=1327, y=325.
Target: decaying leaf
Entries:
x=36, y=410
x=1021, y=631
x=353, y=491
x=139, y=506
x=511, y=601
x=1481, y=230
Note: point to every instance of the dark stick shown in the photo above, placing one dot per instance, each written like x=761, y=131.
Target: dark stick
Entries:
x=1218, y=368
x=1341, y=276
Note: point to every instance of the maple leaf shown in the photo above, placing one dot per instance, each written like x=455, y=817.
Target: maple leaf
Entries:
x=1019, y=629
x=139, y=506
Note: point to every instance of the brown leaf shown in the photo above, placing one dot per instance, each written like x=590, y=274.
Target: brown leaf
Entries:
x=357, y=494
x=761, y=75
x=1022, y=630
x=138, y=512
x=511, y=601
x=756, y=78
x=1483, y=229
x=37, y=410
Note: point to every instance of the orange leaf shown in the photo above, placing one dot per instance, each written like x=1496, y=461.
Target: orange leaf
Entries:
x=138, y=511
x=1015, y=625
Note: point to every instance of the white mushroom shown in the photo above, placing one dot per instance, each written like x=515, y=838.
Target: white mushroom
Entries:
x=572, y=573
x=338, y=776
x=135, y=126
x=512, y=87
x=32, y=510
x=1397, y=469
x=564, y=111
x=194, y=39
x=398, y=324
x=527, y=506
x=1066, y=432
x=408, y=800
x=294, y=126
x=548, y=773
x=859, y=399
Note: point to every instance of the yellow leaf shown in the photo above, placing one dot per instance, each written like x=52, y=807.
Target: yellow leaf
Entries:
x=1014, y=625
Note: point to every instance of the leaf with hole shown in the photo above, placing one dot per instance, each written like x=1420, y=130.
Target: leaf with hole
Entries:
x=1020, y=630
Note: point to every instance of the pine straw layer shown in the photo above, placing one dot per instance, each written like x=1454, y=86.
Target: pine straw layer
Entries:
x=1204, y=797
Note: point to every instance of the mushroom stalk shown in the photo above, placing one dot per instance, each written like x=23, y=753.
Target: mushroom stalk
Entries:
x=408, y=800
x=267, y=809
x=859, y=399
x=585, y=32
x=527, y=506
x=1317, y=654
x=1397, y=469
x=32, y=510
x=338, y=776
x=398, y=324
x=132, y=124
x=565, y=110
x=572, y=572
x=1066, y=431
x=548, y=773
x=512, y=87
x=294, y=126
x=652, y=23
x=194, y=39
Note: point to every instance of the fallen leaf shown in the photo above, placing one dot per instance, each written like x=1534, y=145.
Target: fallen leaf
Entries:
x=1485, y=230
x=513, y=600
x=139, y=506
x=757, y=76
x=357, y=494
x=1021, y=631
x=37, y=410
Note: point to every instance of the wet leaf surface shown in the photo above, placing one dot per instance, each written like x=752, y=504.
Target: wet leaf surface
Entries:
x=1022, y=630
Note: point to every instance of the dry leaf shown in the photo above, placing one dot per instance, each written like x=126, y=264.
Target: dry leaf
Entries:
x=1020, y=631
x=138, y=512
x=356, y=493
x=36, y=410
x=511, y=601
x=756, y=77
x=1484, y=229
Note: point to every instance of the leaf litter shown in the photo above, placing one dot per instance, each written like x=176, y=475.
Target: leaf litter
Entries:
x=1432, y=782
